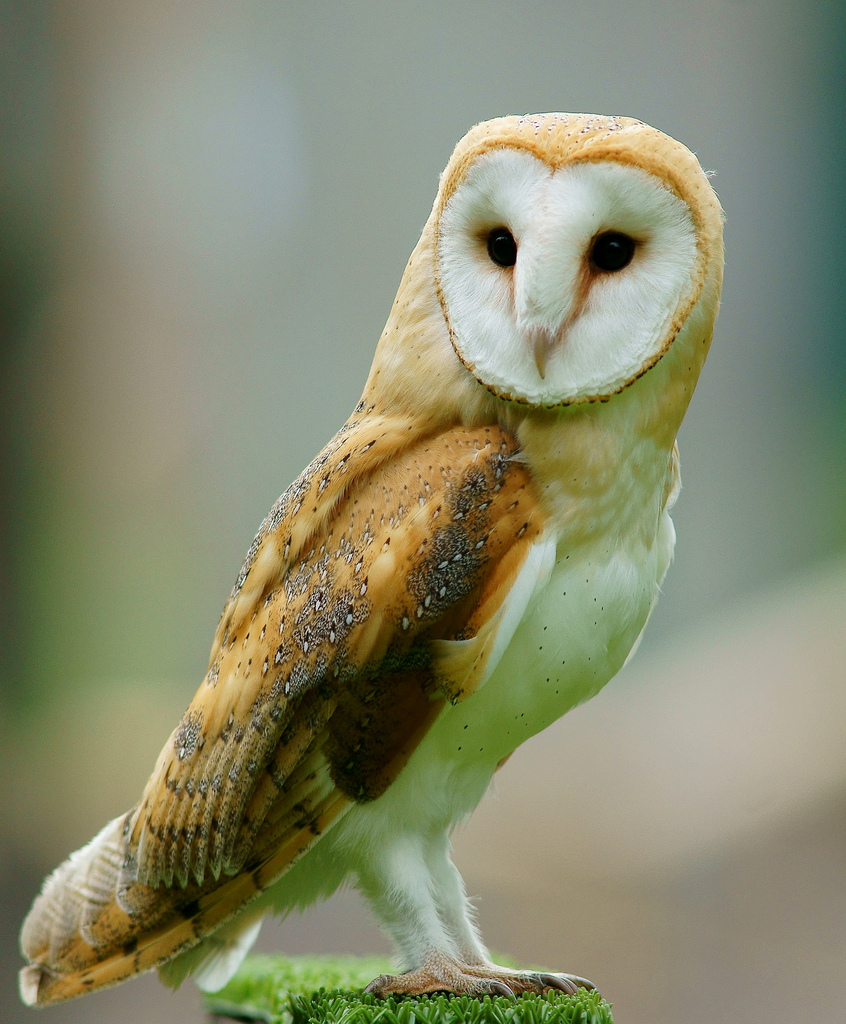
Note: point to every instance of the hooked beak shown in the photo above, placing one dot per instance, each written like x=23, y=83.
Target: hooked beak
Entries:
x=547, y=299
x=545, y=329
x=542, y=343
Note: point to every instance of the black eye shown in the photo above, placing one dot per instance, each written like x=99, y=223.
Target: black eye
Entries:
x=502, y=248
x=612, y=251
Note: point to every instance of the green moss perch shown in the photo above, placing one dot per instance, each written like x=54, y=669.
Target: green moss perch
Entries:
x=326, y=990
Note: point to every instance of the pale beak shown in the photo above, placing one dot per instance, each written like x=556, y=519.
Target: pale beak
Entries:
x=542, y=343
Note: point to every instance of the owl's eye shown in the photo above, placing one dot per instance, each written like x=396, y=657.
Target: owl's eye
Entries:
x=502, y=248
x=612, y=251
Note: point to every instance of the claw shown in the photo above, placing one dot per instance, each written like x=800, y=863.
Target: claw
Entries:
x=560, y=982
x=499, y=988
x=375, y=987
x=582, y=982
x=475, y=979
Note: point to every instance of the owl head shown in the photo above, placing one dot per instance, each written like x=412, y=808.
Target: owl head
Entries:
x=565, y=256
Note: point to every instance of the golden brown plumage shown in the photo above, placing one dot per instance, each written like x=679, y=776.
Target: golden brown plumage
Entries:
x=392, y=602
x=321, y=682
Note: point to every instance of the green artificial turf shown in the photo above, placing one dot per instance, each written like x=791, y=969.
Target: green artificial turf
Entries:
x=328, y=990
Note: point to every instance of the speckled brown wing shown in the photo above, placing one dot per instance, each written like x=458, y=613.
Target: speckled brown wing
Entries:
x=338, y=643
x=318, y=691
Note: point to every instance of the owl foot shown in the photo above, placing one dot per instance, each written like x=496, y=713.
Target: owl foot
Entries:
x=442, y=975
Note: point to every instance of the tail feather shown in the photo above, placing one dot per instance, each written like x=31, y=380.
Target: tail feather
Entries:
x=69, y=915
x=100, y=882
x=73, y=895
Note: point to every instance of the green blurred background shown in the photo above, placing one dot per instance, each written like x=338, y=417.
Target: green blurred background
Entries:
x=205, y=209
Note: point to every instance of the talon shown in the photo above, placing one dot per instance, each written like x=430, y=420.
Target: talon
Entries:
x=560, y=982
x=582, y=982
x=473, y=979
x=499, y=988
x=375, y=987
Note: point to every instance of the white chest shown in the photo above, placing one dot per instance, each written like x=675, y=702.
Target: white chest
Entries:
x=575, y=635
x=582, y=621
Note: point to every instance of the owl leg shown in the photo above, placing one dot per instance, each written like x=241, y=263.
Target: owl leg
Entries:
x=398, y=885
x=419, y=897
x=456, y=910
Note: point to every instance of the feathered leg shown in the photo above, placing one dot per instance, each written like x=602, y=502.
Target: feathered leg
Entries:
x=419, y=898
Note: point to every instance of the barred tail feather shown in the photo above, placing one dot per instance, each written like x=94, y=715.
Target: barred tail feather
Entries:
x=73, y=895
x=78, y=937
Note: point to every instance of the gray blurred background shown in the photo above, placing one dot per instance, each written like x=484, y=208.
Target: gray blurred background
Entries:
x=205, y=209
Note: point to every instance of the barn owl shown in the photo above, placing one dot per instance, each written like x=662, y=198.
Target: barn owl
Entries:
x=475, y=552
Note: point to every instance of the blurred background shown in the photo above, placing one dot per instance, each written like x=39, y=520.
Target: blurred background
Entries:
x=205, y=210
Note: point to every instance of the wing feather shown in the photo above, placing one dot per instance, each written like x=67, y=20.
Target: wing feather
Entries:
x=409, y=549
x=318, y=691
